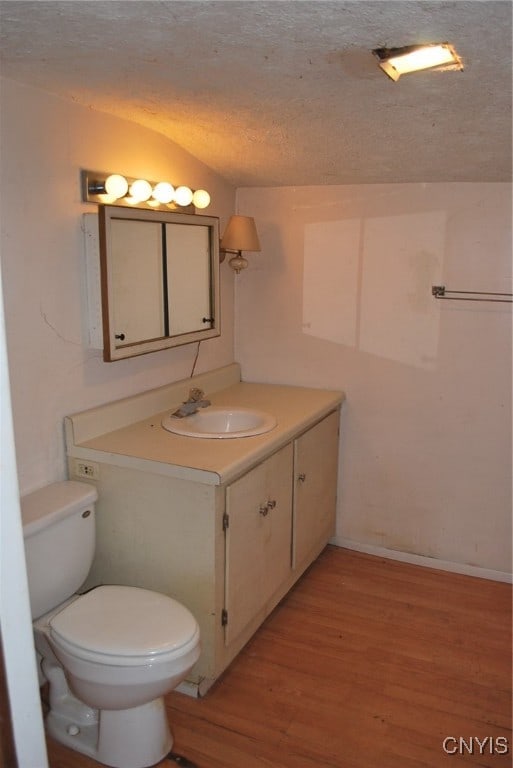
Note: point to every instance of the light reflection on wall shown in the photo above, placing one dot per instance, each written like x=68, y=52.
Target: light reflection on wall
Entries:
x=367, y=284
x=330, y=280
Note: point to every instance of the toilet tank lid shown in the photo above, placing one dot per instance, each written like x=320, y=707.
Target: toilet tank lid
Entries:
x=51, y=503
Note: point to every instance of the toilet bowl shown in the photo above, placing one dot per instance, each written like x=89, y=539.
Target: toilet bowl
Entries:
x=121, y=649
x=111, y=654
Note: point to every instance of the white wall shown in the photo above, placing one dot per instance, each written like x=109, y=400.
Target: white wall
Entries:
x=340, y=297
x=44, y=144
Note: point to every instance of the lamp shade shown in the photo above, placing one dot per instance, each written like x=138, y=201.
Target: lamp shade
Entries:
x=240, y=235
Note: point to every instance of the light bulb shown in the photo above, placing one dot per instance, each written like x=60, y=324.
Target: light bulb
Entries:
x=183, y=196
x=201, y=198
x=424, y=58
x=163, y=192
x=107, y=199
x=116, y=186
x=140, y=190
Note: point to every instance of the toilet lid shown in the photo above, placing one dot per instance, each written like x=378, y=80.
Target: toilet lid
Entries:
x=124, y=622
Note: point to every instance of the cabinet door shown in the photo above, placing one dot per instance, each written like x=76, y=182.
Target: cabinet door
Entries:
x=258, y=539
x=315, y=489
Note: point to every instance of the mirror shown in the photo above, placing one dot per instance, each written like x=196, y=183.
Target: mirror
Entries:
x=159, y=279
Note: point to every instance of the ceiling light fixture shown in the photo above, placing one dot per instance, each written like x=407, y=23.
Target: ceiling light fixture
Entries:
x=105, y=188
x=414, y=58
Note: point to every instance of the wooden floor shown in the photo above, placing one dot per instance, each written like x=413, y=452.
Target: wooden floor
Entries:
x=367, y=663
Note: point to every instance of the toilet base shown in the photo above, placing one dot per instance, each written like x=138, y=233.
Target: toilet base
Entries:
x=126, y=738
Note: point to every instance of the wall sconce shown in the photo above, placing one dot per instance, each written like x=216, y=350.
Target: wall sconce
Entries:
x=413, y=58
x=104, y=188
x=239, y=235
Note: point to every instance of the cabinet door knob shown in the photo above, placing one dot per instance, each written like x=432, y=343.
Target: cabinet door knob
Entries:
x=301, y=477
x=264, y=510
x=271, y=503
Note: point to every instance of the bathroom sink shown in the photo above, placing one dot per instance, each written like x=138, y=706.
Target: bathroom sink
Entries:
x=221, y=422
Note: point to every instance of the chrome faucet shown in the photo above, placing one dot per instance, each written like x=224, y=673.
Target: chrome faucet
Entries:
x=196, y=400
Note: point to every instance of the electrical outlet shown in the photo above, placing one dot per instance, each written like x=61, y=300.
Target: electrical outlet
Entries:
x=87, y=469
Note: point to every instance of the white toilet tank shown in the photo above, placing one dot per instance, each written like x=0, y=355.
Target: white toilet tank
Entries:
x=59, y=533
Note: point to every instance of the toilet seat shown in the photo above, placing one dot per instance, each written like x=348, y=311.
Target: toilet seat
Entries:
x=125, y=626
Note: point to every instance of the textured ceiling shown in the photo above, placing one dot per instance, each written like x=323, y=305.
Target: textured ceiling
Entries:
x=285, y=92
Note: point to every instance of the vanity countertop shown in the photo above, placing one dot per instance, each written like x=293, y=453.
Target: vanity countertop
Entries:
x=146, y=445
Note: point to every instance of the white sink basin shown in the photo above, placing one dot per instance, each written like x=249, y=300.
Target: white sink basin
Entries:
x=221, y=422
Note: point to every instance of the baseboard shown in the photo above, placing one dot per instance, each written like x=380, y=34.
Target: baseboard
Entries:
x=427, y=562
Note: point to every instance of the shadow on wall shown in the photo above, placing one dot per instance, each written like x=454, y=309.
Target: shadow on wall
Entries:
x=367, y=284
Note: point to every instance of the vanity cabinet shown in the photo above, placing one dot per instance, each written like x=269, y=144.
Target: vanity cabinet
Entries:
x=258, y=525
x=315, y=489
x=226, y=527
x=279, y=517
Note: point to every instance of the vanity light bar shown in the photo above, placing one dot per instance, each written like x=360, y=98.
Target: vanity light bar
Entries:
x=113, y=188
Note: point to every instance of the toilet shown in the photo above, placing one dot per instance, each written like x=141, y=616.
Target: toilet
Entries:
x=109, y=655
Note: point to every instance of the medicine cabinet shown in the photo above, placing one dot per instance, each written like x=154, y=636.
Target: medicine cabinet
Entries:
x=159, y=276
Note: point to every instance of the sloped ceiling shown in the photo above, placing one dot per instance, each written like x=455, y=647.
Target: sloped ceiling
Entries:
x=284, y=92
